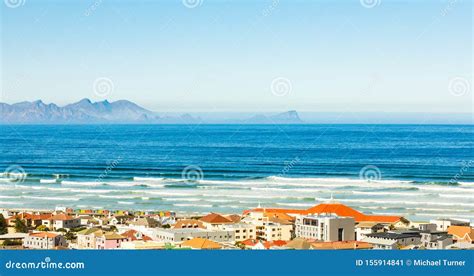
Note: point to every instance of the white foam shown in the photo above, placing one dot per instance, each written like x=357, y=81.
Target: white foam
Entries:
x=48, y=181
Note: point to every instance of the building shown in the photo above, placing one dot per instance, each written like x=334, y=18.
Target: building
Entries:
x=61, y=221
x=443, y=224
x=337, y=209
x=325, y=227
x=86, y=238
x=200, y=243
x=134, y=235
x=180, y=235
x=393, y=239
x=109, y=240
x=462, y=234
x=189, y=223
x=435, y=240
x=44, y=240
x=243, y=231
x=270, y=228
x=213, y=220
x=362, y=229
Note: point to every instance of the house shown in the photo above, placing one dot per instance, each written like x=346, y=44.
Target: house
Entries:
x=85, y=219
x=44, y=240
x=86, y=238
x=369, y=227
x=337, y=209
x=436, y=239
x=183, y=234
x=200, y=243
x=214, y=220
x=242, y=231
x=393, y=239
x=324, y=227
x=259, y=245
x=146, y=222
x=462, y=234
x=189, y=223
x=109, y=240
x=341, y=245
x=133, y=235
x=443, y=224
x=61, y=220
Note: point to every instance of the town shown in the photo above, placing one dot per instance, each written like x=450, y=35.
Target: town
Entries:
x=327, y=226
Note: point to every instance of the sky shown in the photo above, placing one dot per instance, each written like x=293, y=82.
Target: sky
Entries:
x=241, y=56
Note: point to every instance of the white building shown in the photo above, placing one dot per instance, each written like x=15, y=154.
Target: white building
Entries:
x=325, y=227
x=44, y=240
x=393, y=239
x=184, y=234
x=243, y=231
x=444, y=223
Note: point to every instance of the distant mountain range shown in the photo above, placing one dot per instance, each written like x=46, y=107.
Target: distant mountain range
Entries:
x=88, y=112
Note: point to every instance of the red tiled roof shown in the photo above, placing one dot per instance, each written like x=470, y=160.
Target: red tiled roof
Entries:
x=333, y=208
x=43, y=235
x=61, y=217
x=341, y=245
x=215, y=218
x=131, y=235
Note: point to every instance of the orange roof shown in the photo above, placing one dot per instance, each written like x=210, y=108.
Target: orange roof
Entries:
x=41, y=217
x=249, y=242
x=131, y=234
x=61, y=217
x=334, y=208
x=234, y=218
x=214, y=218
x=283, y=216
x=189, y=223
x=43, y=235
x=341, y=245
x=200, y=243
x=462, y=232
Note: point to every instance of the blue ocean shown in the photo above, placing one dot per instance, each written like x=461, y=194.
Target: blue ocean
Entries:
x=418, y=171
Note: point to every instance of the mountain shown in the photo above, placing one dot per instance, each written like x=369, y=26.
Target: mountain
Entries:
x=289, y=117
x=83, y=111
x=87, y=112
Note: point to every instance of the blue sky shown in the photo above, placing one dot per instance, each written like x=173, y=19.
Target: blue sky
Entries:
x=399, y=56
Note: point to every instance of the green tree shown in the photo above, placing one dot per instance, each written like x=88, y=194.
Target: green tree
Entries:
x=70, y=236
x=3, y=225
x=20, y=226
x=42, y=228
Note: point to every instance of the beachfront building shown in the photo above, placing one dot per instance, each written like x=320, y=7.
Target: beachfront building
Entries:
x=436, y=239
x=179, y=235
x=325, y=227
x=334, y=208
x=214, y=221
x=243, y=231
x=393, y=239
x=443, y=224
x=44, y=240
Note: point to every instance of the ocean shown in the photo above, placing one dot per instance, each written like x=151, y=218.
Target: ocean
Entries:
x=418, y=171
